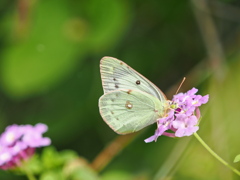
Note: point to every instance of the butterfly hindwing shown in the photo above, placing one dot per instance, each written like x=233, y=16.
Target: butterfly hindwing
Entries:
x=127, y=111
x=118, y=75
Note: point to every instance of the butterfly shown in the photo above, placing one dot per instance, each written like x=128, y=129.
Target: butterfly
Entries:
x=130, y=101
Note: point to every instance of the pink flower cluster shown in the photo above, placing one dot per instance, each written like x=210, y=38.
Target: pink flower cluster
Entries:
x=182, y=118
x=18, y=143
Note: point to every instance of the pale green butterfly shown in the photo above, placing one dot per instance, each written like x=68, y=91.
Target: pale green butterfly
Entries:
x=130, y=101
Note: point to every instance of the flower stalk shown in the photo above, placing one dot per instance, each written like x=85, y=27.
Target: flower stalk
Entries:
x=215, y=155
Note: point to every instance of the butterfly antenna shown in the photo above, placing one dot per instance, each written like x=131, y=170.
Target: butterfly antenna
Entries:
x=180, y=85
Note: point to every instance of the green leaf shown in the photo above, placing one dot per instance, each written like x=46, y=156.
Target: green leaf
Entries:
x=33, y=165
x=79, y=169
x=50, y=158
x=52, y=175
x=45, y=56
x=67, y=155
x=237, y=158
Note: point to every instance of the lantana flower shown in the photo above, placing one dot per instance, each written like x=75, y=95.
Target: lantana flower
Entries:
x=183, y=116
x=18, y=143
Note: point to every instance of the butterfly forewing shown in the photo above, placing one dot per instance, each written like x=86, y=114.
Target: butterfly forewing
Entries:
x=118, y=75
x=127, y=111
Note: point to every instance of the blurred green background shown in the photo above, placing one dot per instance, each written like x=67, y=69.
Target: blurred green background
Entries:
x=49, y=73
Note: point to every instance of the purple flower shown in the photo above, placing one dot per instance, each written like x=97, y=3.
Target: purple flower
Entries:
x=182, y=118
x=18, y=143
x=11, y=134
x=163, y=125
x=33, y=136
x=185, y=125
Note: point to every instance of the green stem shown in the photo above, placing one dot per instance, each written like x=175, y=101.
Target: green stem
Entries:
x=30, y=175
x=215, y=155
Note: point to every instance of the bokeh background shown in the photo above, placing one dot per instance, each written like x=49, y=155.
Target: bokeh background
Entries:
x=49, y=73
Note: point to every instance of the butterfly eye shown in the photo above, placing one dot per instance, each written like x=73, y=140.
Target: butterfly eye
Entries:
x=137, y=82
x=128, y=105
